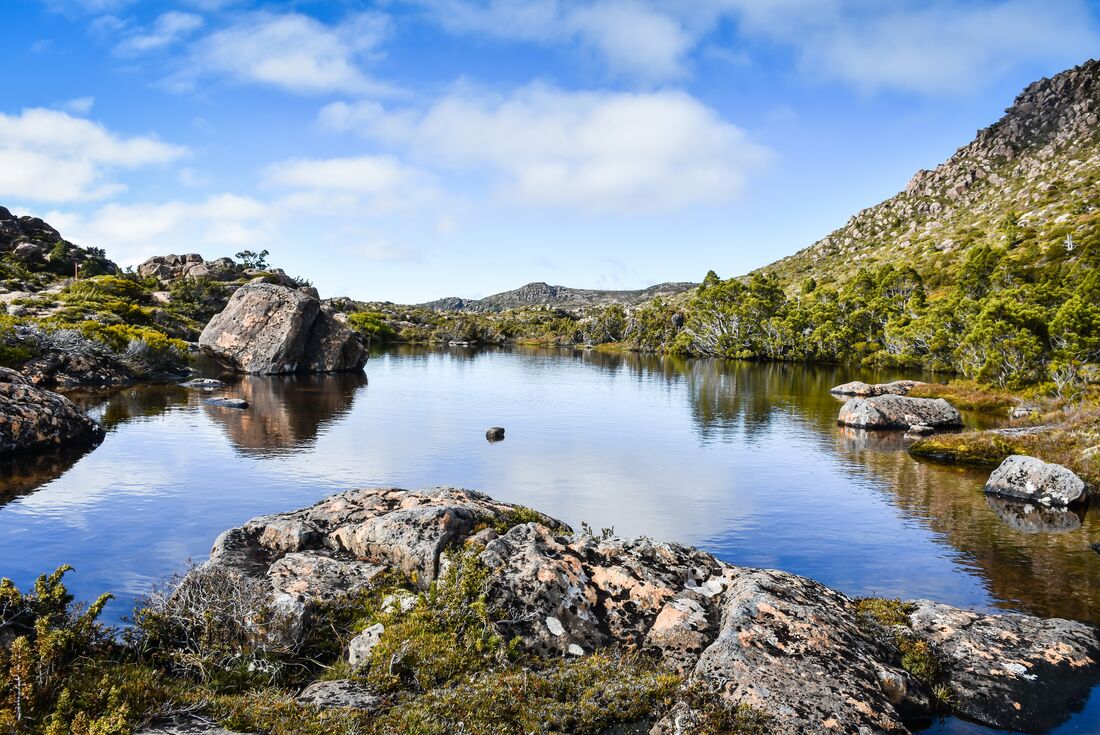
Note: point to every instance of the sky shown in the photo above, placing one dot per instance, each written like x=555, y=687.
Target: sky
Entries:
x=406, y=150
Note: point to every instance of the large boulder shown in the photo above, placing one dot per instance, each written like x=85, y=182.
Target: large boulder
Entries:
x=32, y=418
x=1033, y=480
x=270, y=329
x=899, y=412
x=810, y=658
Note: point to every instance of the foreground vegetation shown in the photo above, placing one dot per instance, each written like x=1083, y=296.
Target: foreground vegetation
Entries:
x=440, y=668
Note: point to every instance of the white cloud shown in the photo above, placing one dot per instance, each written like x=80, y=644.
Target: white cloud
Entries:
x=133, y=232
x=80, y=105
x=384, y=251
x=375, y=183
x=291, y=51
x=593, y=151
x=168, y=28
x=48, y=155
x=634, y=38
x=923, y=46
x=73, y=7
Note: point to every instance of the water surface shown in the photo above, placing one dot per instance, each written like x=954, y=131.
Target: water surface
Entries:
x=742, y=459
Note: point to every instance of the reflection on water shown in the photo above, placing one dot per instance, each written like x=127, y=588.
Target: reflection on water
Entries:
x=743, y=459
x=285, y=412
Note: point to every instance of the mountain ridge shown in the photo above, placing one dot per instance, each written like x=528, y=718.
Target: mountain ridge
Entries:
x=539, y=293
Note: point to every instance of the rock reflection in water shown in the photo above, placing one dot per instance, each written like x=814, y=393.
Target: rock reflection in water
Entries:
x=117, y=406
x=22, y=474
x=285, y=412
x=1031, y=518
x=1048, y=574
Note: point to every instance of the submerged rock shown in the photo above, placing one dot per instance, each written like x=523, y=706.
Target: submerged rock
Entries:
x=270, y=329
x=495, y=434
x=33, y=418
x=1031, y=479
x=239, y=403
x=899, y=412
x=789, y=647
x=203, y=384
x=866, y=390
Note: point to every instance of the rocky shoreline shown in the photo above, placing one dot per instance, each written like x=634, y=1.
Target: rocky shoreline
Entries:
x=803, y=657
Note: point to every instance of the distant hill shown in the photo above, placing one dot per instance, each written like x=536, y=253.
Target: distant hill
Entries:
x=1029, y=182
x=543, y=294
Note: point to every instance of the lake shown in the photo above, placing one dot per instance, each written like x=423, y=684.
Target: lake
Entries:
x=742, y=459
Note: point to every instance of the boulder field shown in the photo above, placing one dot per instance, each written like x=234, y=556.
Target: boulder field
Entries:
x=270, y=329
x=810, y=658
x=32, y=418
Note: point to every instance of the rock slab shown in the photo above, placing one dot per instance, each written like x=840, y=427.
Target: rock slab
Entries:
x=866, y=390
x=899, y=412
x=783, y=644
x=1033, y=480
x=268, y=329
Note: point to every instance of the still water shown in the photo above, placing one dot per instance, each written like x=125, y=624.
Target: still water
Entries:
x=742, y=459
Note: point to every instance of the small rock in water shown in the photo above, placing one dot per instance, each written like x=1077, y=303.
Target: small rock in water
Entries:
x=203, y=384
x=495, y=434
x=921, y=430
x=227, y=402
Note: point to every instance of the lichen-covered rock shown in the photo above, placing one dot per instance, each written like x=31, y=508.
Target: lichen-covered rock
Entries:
x=866, y=390
x=1033, y=480
x=33, y=418
x=269, y=329
x=800, y=653
x=184, y=726
x=341, y=693
x=898, y=412
x=1012, y=671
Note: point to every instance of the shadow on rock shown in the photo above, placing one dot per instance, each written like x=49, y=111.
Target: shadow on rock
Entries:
x=285, y=412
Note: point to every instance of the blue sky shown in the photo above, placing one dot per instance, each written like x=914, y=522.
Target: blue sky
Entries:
x=410, y=149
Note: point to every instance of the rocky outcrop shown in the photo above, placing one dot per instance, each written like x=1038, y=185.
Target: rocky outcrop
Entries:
x=169, y=268
x=1032, y=480
x=1010, y=671
x=32, y=418
x=899, y=412
x=40, y=248
x=269, y=329
x=865, y=390
x=809, y=657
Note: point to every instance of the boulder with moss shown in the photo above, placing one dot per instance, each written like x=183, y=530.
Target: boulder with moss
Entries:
x=779, y=646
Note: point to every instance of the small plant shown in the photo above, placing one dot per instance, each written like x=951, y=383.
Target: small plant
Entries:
x=252, y=259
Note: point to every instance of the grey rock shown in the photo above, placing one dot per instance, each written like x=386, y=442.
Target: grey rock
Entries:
x=270, y=329
x=203, y=384
x=865, y=390
x=1011, y=671
x=183, y=726
x=495, y=434
x=238, y=403
x=1031, y=479
x=898, y=412
x=360, y=647
x=33, y=418
x=340, y=693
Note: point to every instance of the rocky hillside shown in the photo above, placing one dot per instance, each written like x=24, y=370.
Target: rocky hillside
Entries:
x=543, y=294
x=1029, y=182
x=33, y=254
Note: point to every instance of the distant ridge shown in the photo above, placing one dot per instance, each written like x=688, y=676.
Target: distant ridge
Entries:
x=543, y=294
